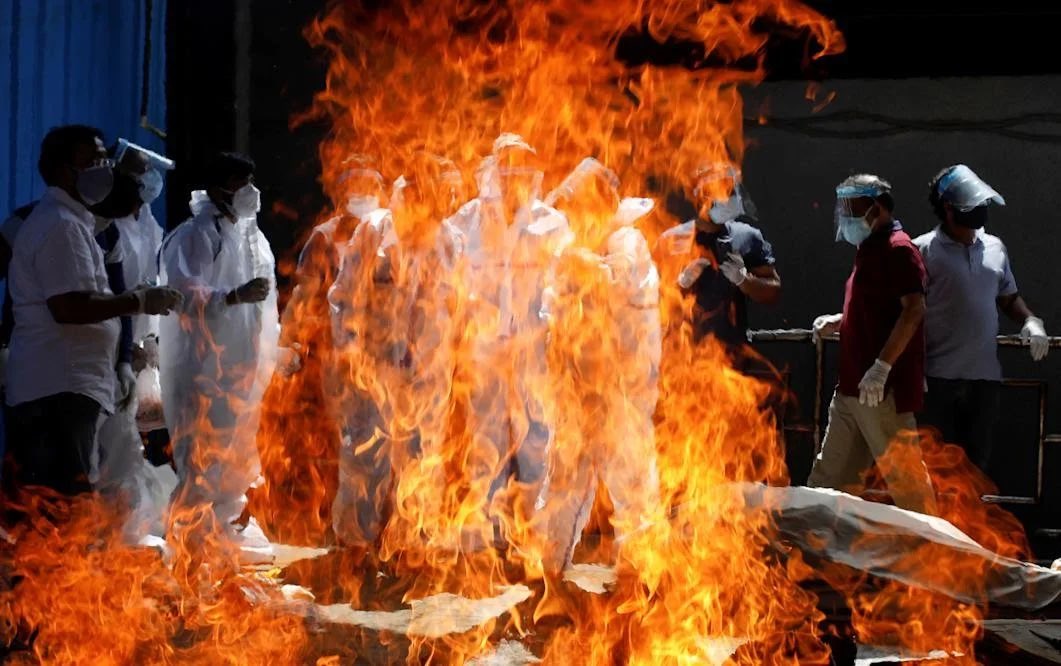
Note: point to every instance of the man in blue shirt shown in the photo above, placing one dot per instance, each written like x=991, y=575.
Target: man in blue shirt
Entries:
x=969, y=282
x=729, y=260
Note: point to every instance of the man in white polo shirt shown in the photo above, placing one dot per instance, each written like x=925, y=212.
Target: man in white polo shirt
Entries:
x=61, y=371
x=969, y=281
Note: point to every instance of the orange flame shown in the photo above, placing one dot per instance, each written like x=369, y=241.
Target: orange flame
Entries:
x=694, y=563
x=485, y=389
x=449, y=78
x=80, y=595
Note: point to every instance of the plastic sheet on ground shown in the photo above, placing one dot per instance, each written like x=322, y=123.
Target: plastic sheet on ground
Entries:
x=879, y=539
x=592, y=578
x=508, y=653
x=1037, y=637
x=433, y=616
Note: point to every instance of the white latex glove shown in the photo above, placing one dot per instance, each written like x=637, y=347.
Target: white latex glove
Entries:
x=825, y=325
x=680, y=241
x=288, y=359
x=1034, y=333
x=734, y=269
x=590, y=260
x=692, y=272
x=126, y=383
x=871, y=388
x=158, y=300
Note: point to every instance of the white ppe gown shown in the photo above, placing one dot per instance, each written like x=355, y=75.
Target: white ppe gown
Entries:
x=216, y=359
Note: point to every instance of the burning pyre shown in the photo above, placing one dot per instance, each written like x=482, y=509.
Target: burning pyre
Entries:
x=411, y=83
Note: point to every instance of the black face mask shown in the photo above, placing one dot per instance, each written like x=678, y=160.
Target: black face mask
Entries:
x=973, y=219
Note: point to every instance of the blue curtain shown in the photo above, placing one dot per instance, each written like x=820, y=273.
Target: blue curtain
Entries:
x=76, y=61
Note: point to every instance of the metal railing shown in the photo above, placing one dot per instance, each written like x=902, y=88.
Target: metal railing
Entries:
x=807, y=335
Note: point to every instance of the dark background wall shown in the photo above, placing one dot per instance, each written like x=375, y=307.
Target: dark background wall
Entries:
x=200, y=92
x=239, y=70
x=791, y=173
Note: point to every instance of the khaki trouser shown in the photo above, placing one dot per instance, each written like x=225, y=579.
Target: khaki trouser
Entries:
x=857, y=436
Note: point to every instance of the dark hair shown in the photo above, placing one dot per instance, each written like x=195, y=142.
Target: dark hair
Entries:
x=225, y=167
x=934, y=198
x=60, y=145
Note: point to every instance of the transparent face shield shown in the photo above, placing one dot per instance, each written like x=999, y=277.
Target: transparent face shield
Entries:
x=715, y=182
x=513, y=187
x=964, y=190
x=718, y=186
x=589, y=197
x=852, y=204
x=154, y=160
x=420, y=205
x=520, y=186
x=453, y=184
x=145, y=165
x=588, y=170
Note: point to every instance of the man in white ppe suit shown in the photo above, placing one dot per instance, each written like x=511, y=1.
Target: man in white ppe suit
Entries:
x=305, y=322
x=141, y=234
x=393, y=313
x=512, y=241
x=604, y=350
x=218, y=356
x=140, y=239
x=122, y=472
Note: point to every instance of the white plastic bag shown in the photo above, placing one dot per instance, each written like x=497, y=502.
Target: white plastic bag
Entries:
x=149, y=414
x=125, y=476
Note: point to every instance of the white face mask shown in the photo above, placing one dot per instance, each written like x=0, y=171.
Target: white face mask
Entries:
x=855, y=230
x=150, y=185
x=95, y=182
x=726, y=211
x=360, y=205
x=246, y=202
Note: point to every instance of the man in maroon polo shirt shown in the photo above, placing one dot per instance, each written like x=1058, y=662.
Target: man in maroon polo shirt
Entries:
x=882, y=353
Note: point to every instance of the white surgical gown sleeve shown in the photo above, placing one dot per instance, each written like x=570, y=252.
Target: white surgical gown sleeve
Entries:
x=187, y=258
x=345, y=294
x=151, y=241
x=633, y=271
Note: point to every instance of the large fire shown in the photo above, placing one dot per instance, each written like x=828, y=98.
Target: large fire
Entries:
x=422, y=360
